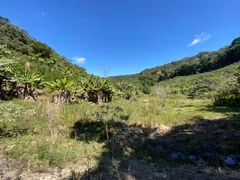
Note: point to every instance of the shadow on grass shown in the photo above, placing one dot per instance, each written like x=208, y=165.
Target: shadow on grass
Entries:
x=13, y=133
x=232, y=112
x=132, y=149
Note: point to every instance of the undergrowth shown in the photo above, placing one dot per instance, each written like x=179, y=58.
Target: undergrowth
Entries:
x=40, y=132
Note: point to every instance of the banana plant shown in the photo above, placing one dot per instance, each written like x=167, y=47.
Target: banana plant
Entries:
x=29, y=80
x=108, y=90
x=99, y=90
x=62, y=85
x=79, y=89
x=65, y=89
x=6, y=72
x=36, y=57
x=127, y=90
x=4, y=52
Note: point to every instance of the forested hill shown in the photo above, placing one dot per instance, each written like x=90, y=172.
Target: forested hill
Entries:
x=16, y=44
x=202, y=62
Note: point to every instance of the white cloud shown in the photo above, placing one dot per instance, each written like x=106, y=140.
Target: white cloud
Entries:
x=200, y=38
x=195, y=41
x=43, y=13
x=79, y=60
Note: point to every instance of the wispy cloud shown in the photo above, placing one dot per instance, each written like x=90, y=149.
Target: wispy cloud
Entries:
x=43, y=13
x=200, y=38
x=79, y=60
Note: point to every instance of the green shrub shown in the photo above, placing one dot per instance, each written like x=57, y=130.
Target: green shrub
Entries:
x=146, y=89
x=228, y=94
x=10, y=112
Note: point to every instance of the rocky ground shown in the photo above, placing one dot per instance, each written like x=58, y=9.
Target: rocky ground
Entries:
x=13, y=170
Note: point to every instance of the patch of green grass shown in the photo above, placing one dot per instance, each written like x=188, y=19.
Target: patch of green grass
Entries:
x=60, y=152
x=47, y=137
x=177, y=110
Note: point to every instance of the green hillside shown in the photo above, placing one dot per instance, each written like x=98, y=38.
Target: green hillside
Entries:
x=17, y=44
x=27, y=65
x=202, y=85
x=202, y=62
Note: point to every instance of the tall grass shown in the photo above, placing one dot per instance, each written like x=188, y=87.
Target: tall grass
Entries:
x=44, y=128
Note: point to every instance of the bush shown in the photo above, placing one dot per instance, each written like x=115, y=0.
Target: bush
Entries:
x=228, y=94
x=40, y=48
x=227, y=97
x=146, y=89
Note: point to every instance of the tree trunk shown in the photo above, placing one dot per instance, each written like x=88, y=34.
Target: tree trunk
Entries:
x=99, y=97
x=13, y=91
x=109, y=97
x=1, y=90
x=107, y=131
x=25, y=93
x=31, y=92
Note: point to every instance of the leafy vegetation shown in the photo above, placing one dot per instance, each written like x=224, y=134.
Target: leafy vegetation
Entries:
x=159, y=124
x=37, y=66
x=222, y=86
x=41, y=134
x=229, y=93
x=203, y=62
x=204, y=85
x=16, y=43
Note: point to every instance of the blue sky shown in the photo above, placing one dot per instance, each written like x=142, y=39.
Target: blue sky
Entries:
x=126, y=36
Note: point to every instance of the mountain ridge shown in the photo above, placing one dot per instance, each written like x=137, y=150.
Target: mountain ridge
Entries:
x=200, y=63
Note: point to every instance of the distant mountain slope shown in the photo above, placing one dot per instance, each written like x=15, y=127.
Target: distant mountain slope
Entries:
x=17, y=44
x=202, y=85
x=203, y=62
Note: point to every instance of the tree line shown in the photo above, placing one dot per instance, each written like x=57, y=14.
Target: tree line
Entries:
x=202, y=62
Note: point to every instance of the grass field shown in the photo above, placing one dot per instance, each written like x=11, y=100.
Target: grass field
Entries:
x=41, y=134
